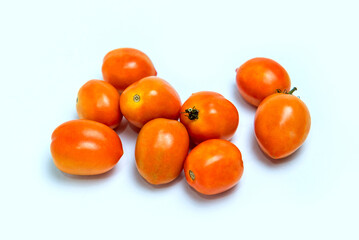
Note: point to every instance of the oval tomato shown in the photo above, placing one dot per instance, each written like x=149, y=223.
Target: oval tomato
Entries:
x=149, y=98
x=124, y=66
x=213, y=166
x=281, y=125
x=260, y=77
x=85, y=147
x=99, y=101
x=161, y=148
x=208, y=115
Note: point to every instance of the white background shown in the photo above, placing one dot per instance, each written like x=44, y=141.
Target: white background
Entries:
x=50, y=48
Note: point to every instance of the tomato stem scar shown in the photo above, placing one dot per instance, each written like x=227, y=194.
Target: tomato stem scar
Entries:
x=192, y=113
x=191, y=174
x=136, y=98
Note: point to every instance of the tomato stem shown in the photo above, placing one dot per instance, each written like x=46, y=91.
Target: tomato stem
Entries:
x=285, y=91
x=192, y=113
x=292, y=91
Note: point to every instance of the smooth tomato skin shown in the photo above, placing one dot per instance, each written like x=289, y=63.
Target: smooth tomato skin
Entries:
x=260, y=77
x=161, y=148
x=282, y=123
x=85, y=147
x=217, y=117
x=216, y=165
x=123, y=66
x=149, y=98
x=99, y=101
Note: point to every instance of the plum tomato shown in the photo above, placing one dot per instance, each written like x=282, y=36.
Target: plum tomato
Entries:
x=85, y=147
x=213, y=166
x=260, y=77
x=149, y=98
x=282, y=124
x=161, y=148
x=208, y=115
x=99, y=101
x=124, y=66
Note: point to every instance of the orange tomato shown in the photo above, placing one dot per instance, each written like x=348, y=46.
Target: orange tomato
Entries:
x=99, y=101
x=161, y=148
x=124, y=66
x=208, y=115
x=149, y=98
x=85, y=147
x=259, y=78
x=281, y=125
x=213, y=166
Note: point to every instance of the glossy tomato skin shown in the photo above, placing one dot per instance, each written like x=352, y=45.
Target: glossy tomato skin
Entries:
x=217, y=117
x=260, y=77
x=124, y=66
x=149, y=98
x=282, y=123
x=99, y=101
x=161, y=148
x=85, y=147
x=213, y=166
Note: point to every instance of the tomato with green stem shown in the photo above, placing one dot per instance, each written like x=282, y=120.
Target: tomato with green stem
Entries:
x=282, y=123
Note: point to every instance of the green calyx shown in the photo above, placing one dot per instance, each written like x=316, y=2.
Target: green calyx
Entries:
x=192, y=113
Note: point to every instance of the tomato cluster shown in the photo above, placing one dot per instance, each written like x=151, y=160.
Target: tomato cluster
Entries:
x=131, y=89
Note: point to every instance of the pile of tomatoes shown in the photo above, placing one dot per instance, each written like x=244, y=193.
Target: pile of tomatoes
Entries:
x=131, y=89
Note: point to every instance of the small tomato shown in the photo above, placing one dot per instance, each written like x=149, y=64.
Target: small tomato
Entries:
x=149, y=98
x=213, y=166
x=281, y=124
x=99, y=101
x=123, y=66
x=208, y=115
x=85, y=147
x=260, y=77
x=161, y=148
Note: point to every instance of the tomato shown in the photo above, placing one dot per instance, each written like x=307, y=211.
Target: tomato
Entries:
x=124, y=66
x=149, y=98
x=208, y=115
x=85, y=147
x=99, y=101
x=259, y=78
x=213, y=166
x=281, y=125
x=161, y=148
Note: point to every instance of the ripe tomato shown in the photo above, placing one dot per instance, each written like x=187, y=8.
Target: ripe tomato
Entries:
x=149, y=98
x=213, y=166
x=281, y=125
x=208, y=115
x=99, y=101
x=259, y=78
x=161, y=148
x=85, y=147
x=124, y=66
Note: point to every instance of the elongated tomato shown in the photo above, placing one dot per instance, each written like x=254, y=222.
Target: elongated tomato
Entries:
x=85, y=147
x=99, y=101
x=208, y=115
x=282, y=123
x=149, y=98
x=161, y=148
x=124, y=66
x=213, y=166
